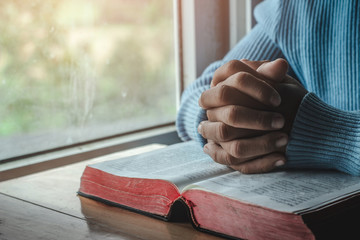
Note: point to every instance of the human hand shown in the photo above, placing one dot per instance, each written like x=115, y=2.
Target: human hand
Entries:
x=237, y=90
x=289, y=88
x=239, y=132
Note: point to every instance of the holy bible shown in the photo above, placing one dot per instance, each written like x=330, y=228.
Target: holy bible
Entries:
x=301, y=204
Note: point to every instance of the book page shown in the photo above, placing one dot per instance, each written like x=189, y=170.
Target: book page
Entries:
x=181, y=164
x=290, y=191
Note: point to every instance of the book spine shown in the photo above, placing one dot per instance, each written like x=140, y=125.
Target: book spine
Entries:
x=190, y=206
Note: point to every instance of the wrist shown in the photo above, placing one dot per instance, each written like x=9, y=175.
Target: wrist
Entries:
x=292, y=96
x=324, y=137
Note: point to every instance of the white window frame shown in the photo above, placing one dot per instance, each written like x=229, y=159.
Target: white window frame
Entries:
x=200, y=27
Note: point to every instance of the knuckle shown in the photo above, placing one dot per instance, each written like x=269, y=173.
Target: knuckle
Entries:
x=239, y=150
x=260, y=88
x=223, y=93
x=260, y=120
x=232, y=115
x=223, y=132
x=263, y=120
x=229, y=160
x=242, y=78
x=267, y=144
x=262, y=93
x=232, y=65
x=214, y=155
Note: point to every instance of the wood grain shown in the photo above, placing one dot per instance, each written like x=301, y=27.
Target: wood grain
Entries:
x=57, y=188
x=22, y=220
x=45, y=206
x=138, y=225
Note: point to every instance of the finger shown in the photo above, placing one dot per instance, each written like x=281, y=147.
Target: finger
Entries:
x=275, y=70
x=219, y=155
x=247, y=148
x=242, y=117
x=223, y=95
x=261, y=164
x=253, y=87
x=254, y=64
x=291, y=80
x=220, y=132
x=230, y=68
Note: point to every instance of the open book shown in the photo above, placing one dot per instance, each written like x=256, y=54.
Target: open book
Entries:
x=278, y=205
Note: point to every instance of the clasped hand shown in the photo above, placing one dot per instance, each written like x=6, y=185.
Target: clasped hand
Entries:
x=251, y=106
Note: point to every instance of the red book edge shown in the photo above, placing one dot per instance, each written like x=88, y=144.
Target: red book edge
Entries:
x=134, y=193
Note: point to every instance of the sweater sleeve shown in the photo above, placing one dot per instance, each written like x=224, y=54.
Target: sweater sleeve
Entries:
x=324, y=137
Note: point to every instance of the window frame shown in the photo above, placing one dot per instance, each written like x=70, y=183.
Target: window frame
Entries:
x=200, y=35
x=195, y=38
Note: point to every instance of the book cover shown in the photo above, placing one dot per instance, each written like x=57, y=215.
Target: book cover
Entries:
x=302, y=204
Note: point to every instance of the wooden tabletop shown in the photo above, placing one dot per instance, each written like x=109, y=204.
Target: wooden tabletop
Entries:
x=45, y=206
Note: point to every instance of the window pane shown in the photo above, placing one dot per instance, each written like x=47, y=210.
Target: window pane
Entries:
x=77, y=70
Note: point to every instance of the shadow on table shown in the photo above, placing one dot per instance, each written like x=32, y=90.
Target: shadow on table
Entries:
x=109, y=220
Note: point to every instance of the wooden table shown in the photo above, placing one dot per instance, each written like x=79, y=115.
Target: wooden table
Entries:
x=45, y=206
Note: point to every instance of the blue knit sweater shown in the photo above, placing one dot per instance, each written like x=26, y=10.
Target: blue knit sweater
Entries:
x=320, y=40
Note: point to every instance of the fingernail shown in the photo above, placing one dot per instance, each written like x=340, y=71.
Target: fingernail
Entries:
x=205, y=149
x=277, y=122
x=275, y=99
x=279, y=163
x=199, y=128
x=281, y=142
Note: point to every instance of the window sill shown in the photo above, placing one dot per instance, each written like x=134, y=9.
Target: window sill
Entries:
x=13, y=169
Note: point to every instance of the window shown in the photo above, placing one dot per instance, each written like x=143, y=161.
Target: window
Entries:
x=76, y=71
x=73, y=71
x=210, y=28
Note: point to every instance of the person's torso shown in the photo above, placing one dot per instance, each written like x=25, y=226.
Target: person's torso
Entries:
x=321, y=39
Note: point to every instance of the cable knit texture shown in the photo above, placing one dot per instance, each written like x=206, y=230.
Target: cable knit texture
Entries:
x=320, y=40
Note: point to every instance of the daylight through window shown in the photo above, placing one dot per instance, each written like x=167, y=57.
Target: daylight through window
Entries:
x=78, y=70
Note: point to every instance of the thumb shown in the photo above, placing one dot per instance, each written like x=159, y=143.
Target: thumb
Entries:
x=275, y=70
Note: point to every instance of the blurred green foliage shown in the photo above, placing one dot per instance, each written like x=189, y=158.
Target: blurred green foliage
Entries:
x=73, y=63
